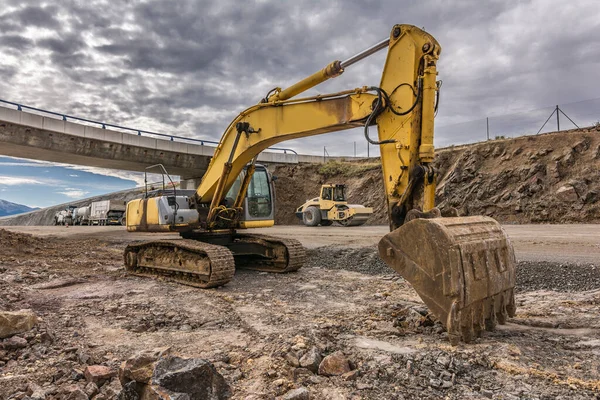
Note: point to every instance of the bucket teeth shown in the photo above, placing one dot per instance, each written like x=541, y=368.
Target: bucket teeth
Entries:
x=463, y=268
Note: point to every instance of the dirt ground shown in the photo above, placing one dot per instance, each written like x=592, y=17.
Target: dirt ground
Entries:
x=256, y=327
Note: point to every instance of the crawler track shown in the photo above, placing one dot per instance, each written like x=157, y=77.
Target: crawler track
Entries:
x=189, y=262
x=281, y=255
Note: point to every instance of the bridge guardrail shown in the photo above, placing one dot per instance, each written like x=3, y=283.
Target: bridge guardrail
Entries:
x=66, y=117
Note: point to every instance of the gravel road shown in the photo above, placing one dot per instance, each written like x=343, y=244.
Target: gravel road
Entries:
x=565, y=244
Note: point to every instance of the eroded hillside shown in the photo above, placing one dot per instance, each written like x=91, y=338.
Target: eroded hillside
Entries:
x=551, y=178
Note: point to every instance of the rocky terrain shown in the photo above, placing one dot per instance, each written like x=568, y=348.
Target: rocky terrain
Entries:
x=343, y=327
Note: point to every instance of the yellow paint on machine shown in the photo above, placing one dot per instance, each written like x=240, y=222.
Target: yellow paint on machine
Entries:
x=134, y=215
x=152, y=217
x=257, y=224
x=143, y=213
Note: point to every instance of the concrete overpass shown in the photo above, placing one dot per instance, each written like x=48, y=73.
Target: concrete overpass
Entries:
x=39, y=137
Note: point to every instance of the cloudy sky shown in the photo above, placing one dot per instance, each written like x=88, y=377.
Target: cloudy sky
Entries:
x=188, y=67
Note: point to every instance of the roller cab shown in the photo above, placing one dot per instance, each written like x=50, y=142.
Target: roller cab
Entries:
x=331, y=206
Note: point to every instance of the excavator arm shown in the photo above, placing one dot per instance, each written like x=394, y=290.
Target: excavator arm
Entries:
x=463, y=268
x=402, y=108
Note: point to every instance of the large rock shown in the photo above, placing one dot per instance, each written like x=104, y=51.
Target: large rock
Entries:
x=140, y=367
x=301, y=393
x=13, y=322
x=311, y=360
x=334, y=364
x=193, y=378
x=99, y=374
x=157, y=375
x=566, y=194
x=13, y=343
x=110, y=390
x=91, y=389
x=582, y=145
x=132, y=390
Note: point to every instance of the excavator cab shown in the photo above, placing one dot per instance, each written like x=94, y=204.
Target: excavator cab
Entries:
x=168, y=208
x=259, y=203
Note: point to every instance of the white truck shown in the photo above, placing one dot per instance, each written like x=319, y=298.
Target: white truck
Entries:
x=64, y=217
x=81, y=215
x=107, y=212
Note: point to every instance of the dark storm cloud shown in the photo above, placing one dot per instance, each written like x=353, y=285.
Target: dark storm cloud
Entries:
x=15, y=42
x=188, y=67
x=67, y=51
x=42, y=17
x=175, y=57
x=62, y=45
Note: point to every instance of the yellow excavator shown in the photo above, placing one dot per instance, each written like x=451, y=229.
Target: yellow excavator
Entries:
x=463, y=268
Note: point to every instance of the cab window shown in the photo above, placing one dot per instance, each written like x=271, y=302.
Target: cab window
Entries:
x=259, y=195
x=326, y=194
x=235, y=188
x=339, y=193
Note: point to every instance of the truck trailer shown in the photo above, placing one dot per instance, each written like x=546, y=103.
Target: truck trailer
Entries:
x=107, y=212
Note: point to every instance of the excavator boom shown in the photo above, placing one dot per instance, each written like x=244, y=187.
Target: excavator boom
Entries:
x=463, y=268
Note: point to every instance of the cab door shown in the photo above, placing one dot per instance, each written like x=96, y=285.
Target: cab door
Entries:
x=326, y=198
x=259, y=204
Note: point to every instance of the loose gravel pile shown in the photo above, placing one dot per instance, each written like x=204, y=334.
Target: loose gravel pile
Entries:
x=559, y=277
x=364, y=260
x=531, y=276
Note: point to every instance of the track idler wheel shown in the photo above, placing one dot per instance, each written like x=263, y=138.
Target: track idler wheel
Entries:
x=463, y=269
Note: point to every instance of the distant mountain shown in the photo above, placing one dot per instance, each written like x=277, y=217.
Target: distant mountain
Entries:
x=8, y=208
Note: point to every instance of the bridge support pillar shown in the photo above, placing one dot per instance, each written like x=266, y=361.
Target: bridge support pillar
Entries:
x=189, y=183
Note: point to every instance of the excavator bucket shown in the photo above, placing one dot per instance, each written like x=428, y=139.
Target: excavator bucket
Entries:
x=463, y=269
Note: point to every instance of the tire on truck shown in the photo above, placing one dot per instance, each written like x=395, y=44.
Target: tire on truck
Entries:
x=311, y=216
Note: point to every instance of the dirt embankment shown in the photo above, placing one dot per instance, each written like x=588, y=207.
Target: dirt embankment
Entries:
x=297, y=183
x=551, y=178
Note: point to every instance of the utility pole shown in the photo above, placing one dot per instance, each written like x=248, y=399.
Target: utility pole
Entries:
x=487, y=122
x=367, y=149
x=324, y=151
x=354, y=149
x=557, y=110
